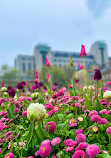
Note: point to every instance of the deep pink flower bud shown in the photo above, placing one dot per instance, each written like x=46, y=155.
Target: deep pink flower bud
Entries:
x=95, y=118
x=80, y=65
x=82, y=52
x=47, y=62
x=79, y=154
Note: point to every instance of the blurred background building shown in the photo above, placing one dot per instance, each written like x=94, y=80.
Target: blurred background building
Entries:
x=97, y=57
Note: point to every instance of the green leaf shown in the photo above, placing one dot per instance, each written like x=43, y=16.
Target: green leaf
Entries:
x=10, y=111
x=29, y=137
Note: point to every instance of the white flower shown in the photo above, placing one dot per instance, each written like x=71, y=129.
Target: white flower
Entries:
x=107, y=95
x=36, y=112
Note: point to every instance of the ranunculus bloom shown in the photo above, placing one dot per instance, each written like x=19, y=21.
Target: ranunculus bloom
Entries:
x=108, y=130
x=9, y=155
x=82, y=52
x=97, y=74
x=92, y=150
x=44, y=150
x=50, y=127
x=79, y=154
x=80, y=138
x=24, y=113
x=55, y=141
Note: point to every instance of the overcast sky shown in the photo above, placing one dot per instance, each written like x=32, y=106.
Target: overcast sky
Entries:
x=62, y=24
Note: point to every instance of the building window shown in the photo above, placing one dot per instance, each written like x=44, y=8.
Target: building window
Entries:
x=29, y=66
x=23, y=67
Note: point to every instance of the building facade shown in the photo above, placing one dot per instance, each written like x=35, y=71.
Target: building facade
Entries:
x=97, y=54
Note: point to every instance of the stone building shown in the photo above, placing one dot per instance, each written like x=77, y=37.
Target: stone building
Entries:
x=97, y=55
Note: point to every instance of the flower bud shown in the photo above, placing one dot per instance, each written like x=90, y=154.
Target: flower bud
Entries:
x=3, y=89
x=97, y=74
x=36, y=112
x=34, y=95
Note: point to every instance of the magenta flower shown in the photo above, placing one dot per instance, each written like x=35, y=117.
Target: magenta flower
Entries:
x=21, y=144
x=103, y=121
x=80, y=138
x=69, y=149
x=8, y=133
x=54, y=157
x=24, y=113
x=44, y=150
x=55, y=141
x=47, y=141
x=95, y=118
x=93, y=112
x=80, y=65
x=81, y=146
x=104, y=111
x=68, y=142
x=0, y=150
x=49, y=106
x=36, y=74
x=37, y=153
x=92, y=150
x=47, y=62
x=79, y=154
x=82, y=52
x=108, y=130
x=79, y=131
x=50, y=127
x=9, y=155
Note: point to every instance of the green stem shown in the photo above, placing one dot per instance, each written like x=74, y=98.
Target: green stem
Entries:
x=97, y=85
x=85, y=72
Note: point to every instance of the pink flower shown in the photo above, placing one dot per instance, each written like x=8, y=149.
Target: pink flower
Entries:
x=55, y=141
x=50, y=127
x=37, y=153
x=49, y=106
x=108, y=83
x=79, y=154
x=47, y=62
x=82, y=52
x=80, y=138
x=69, y=149
x=95, y=129
x=10, y=138
x=24, y=113
x=8, y=133
x=95, y=118
x=108, y=130
x=92, y=150
x=56, y=108
x=16, y=110
x=68, y=142
x=104, y=111
x=80, y=65
x=79, y=131
x=93, y=112
x=2, y=126
x=81, y=146
x=44, y=150
x=0, y=150
x=103, y=121
x=21, y=144
x=3, y=84
x=9, y=155
x=73, y=125
x=54, y=157
x=36, y=74
x=47, y=141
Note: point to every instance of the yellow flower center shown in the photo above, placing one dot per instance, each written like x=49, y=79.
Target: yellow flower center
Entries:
x=43, y=148
x=56, y=108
